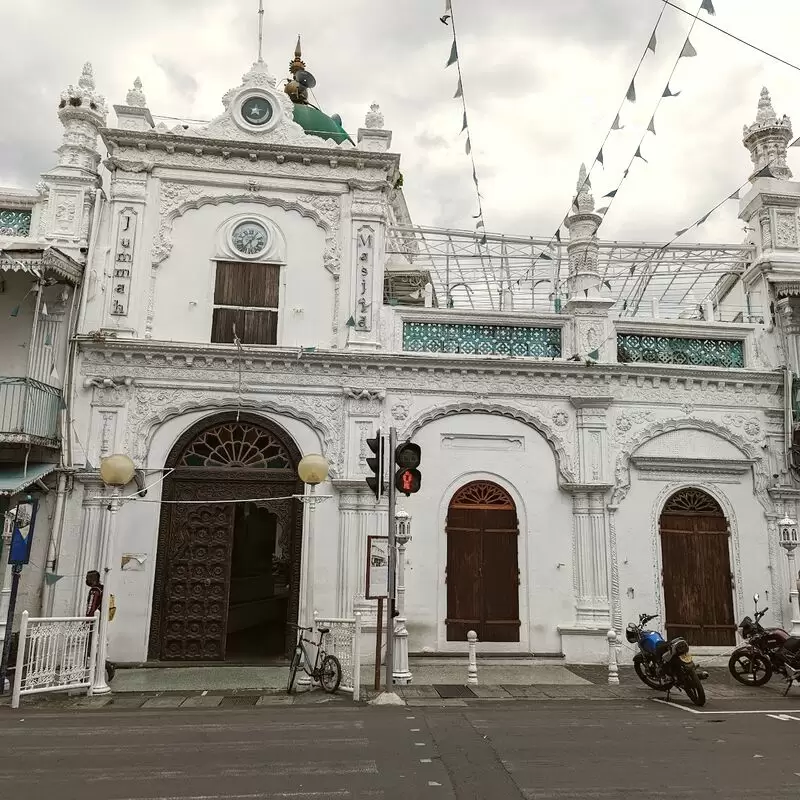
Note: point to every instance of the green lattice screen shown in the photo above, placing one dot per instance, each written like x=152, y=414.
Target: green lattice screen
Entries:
x=14, y=222
x=485, y=340
x=633, y=348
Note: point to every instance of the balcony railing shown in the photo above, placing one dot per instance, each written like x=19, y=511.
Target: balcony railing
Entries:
x=29, y=411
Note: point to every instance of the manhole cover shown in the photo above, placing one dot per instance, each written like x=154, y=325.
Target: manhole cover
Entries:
x=448, y=691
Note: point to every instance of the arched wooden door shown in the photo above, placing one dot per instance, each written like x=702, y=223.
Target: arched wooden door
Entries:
x=482, y=564
x=695, y=548
x=228, y=574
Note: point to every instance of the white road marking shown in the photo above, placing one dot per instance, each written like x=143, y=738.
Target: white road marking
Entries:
x=204, y=693
x=433, y=783
x=426, y=761
x=784, y=717
x=419, y=744
x=415, y=730
x=767, y=711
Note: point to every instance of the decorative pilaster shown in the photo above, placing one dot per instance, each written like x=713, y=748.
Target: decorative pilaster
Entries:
x=363, y=412
x=373, y=137
x=134, y=115
x=358, y=519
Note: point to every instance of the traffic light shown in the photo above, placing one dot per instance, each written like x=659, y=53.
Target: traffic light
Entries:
x=408, y=478
x=375, y=464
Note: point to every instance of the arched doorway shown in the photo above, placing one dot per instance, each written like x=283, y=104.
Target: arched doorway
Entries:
x=228, y=575
x=482, y=564
x=696, y=570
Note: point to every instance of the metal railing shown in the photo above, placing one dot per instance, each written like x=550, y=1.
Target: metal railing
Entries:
x=55, y=654
x=344, y=642
x=29, y=408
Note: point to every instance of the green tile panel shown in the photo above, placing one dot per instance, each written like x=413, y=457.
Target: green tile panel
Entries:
x=482, y=340
x=636, y=348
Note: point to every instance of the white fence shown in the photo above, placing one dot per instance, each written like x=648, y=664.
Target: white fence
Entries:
x=344, y=642
x=55, y=654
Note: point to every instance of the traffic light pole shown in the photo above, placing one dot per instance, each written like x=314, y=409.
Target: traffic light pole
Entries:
x=392, y=563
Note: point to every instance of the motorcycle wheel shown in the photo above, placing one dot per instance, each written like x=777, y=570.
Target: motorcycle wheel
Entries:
x=652, y=681
x=693, y=686
x=750, y=668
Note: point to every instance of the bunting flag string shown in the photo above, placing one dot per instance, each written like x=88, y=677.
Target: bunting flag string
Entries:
x=630, y=96
x=687, y=51
x=449, y=19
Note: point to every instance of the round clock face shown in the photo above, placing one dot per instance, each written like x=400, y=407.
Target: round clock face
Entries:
x=257, y=111
x=249, y=238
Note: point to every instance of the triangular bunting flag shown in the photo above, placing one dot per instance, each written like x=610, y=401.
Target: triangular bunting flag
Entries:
x=633, y=267
x=479, y=224
x=669, y=93
x=595, y=354
x=734, y=196
x=707, y=5
x=703, y=219
x=475, y=177
x=615, y=126
x=459, y=90
x=558, y=236
x=464, y=124
x=652, y=44
x=43, y=311
x=602, y=210
x=599, y=158
x=48, y=339
x=796, y=142
x=453, y=54
x=681, y=232
x=631, y=95
x=652, y=126
x=351, y=323
x=607, y=284
x=483, y=239
x=14, y=311
x=585, y=292
x=468, y=146
x=545, y=256
x=62, y=403
x=688, y=50
x=612, y=193
x=444, y=19
x=638, y=154
x=55, y=378
x=50, y=578
x=764, y=172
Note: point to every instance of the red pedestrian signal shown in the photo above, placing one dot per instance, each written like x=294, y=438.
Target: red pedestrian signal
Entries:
x=408, y=478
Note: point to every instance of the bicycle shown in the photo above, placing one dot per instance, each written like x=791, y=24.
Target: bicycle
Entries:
x=327, y=671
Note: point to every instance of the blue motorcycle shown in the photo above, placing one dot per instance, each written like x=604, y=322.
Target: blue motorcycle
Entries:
x=665, y=665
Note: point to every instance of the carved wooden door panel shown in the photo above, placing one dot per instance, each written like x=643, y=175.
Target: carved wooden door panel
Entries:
x=196, y=581
x=698, y=582
x=482, y=565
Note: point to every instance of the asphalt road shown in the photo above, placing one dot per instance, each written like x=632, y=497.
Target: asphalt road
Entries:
x=540, y=751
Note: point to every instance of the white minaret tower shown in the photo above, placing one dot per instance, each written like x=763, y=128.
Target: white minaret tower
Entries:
x=69, y=188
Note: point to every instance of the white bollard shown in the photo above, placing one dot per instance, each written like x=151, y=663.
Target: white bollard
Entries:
x=613, y=668
x=472, y=671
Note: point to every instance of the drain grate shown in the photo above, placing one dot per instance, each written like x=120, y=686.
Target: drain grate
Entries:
x=239, y=700
x=448, y=691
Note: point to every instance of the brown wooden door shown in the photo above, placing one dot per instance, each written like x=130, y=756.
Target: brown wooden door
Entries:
x=482, y=565
x=697, y=576
x=197, y=581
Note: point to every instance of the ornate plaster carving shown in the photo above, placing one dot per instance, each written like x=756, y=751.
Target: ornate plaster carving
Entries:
x=564, y=462
x=152, y=407
x=622, y=472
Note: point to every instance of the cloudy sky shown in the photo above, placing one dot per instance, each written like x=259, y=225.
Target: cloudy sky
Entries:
x=542, y=81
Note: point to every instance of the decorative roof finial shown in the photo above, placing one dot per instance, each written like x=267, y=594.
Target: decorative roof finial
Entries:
x=374, y=118
x=766, y=113
x=86, y=81
x=583, y=199
x=136, y=96
x=297, y=90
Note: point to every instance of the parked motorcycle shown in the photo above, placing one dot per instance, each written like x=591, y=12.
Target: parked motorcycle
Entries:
x=664, y=664
x=765, y=652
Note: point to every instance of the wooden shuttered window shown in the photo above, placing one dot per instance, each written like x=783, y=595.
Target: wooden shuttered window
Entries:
x=246, y=296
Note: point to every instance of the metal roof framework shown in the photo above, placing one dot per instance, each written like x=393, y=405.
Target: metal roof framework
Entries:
x=527, y=274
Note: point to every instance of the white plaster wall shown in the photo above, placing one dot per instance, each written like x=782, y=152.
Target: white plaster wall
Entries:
x=639, y=543
x=184, y=287
x=545, y=524
x=138, y=534
x=16, y=331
